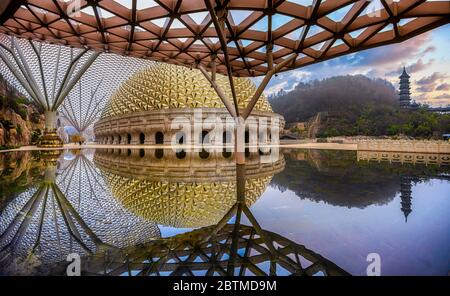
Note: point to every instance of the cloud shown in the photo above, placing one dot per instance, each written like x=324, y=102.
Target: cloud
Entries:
x=391, y=54
x=300, y=74
x=428, y=83
x=443, y=86
x=426, y=88
x=415, y=67
x=276, y=88
x=430, y=48
x=443, y=96
x=433, y=78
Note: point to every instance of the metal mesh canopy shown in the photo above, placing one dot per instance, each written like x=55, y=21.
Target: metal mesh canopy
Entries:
x=85, y=103
x=235, y=34
x=86, y=99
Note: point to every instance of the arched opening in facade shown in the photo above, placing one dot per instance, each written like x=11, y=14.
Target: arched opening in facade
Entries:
x=204, y=137
x=128, y=152
x=128, y=139
x=141, y=153
x=226, y=137
x=181, y=154
x=141, y=138
x=247, y=140
x=159, y=138
x=180, y=138
x=120, y=139
x=159, y=153
x=204, y=154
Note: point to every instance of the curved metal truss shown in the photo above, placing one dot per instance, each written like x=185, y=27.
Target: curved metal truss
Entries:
x=244, y=38
x=47, y=73
x=70, y=213
x=79, y=113
x=59, y=78
x=225, y=249
x=84, y=105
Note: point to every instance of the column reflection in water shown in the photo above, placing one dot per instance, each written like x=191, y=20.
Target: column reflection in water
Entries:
x=68, y=211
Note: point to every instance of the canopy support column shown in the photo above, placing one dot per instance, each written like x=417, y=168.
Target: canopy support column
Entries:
x=15, y=58
x=265, y=81
x=223, y=97
x=218, y=17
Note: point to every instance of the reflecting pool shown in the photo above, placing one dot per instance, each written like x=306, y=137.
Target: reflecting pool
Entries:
x=165, y=212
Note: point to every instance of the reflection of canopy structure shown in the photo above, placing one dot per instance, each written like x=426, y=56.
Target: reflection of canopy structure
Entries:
x=72, y=214
x=222, y=249
x=183, y=31
x=171, y=195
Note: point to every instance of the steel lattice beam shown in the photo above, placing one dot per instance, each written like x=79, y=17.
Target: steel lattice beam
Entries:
x=180, y=31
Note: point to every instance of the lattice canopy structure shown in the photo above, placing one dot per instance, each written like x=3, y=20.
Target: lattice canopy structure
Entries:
x=235, y=34
x=58, y=78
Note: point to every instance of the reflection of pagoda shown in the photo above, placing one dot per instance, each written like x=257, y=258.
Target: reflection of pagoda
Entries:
x=405, y=195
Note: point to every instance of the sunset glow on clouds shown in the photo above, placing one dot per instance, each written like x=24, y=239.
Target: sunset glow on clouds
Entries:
x=426, y=58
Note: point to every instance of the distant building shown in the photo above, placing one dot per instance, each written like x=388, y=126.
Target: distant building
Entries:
x=405, y=93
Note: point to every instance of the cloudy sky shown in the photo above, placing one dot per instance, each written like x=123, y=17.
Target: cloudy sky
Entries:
x=426, y=57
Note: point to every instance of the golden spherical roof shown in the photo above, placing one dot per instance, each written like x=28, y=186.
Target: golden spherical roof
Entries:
x=181, y=204
x=165, y=86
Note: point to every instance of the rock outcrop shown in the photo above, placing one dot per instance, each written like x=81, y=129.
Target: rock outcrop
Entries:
x=20, y=121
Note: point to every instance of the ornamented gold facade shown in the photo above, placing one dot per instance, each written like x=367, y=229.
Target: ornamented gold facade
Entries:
x=146, y=104
x=166, y=86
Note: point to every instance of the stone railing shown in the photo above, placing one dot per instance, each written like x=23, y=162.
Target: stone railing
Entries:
x=415, y=146
x=404, y=157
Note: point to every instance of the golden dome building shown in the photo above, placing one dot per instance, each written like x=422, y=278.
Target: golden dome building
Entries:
x=143, y=108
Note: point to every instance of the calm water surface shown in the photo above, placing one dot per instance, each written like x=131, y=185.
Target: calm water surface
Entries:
x=156, y=205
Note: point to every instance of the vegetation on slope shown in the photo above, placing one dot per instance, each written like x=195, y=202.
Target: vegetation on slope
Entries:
x=357, y=105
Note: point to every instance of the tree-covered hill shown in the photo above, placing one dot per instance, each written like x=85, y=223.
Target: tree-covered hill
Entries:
x=357, y=105
x=343, y=95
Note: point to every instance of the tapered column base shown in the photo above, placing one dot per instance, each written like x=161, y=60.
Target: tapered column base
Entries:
x=50, y=139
